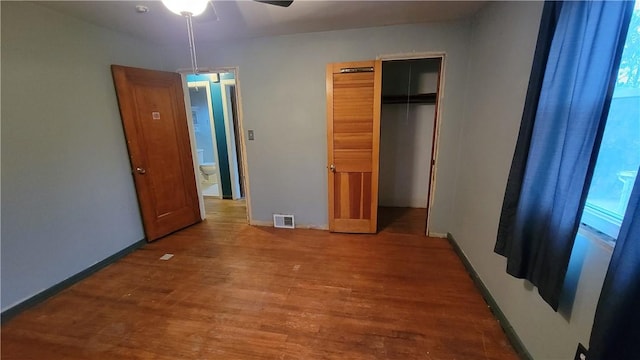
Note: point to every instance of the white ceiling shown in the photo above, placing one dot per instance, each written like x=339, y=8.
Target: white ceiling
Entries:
x=246, y=19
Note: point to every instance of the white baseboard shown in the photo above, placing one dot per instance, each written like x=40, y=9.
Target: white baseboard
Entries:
x=437, y=235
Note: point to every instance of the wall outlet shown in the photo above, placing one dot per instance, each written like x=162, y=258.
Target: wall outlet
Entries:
x=581, y=353
x=250, y=135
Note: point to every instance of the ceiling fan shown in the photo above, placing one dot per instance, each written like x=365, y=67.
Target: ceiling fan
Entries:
x=190, y=8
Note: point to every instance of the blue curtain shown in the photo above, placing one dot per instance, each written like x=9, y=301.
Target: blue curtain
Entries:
x=616, y=328
x=548, y=23
x=553, y=164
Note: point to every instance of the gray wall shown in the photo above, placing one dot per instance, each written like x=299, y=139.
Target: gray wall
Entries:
x=68, y=199
x=406, y=134
x=282, y=84
x=501, y=53
x=67, y=195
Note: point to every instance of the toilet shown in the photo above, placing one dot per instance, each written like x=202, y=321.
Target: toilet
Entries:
x=207, y=169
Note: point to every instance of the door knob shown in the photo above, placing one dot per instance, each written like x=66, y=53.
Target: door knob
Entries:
x=332, y=168
x=141, y=171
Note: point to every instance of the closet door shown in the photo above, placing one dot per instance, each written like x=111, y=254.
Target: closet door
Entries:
x=353, y=140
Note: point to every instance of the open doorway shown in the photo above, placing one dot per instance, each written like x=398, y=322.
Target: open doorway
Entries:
x=216, y=132
x=202, y=119
x=408, y=139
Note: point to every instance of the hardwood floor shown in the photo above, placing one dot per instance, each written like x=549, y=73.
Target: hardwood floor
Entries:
x=399, y=220
x=233, y=291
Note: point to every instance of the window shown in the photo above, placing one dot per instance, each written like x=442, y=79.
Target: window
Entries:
x=619, y=157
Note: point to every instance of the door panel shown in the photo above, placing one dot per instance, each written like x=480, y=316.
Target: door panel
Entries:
x=155, y=125
x=353, y=139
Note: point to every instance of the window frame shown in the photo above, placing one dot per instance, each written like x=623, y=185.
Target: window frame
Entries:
x=598, y=220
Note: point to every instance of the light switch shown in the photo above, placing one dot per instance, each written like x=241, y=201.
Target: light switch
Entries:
x=251, y=135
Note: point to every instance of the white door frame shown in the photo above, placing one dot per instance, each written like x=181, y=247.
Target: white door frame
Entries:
x=205, y=84
x=436, y=129
x=231, y=138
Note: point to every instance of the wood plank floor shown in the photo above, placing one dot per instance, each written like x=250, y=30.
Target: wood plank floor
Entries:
x=398, y=220
x=233, y=291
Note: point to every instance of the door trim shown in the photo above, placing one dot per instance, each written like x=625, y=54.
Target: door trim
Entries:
x=436, y=126
x=192, y=143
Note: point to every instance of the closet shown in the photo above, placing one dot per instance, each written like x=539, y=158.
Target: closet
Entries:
x=407, y=123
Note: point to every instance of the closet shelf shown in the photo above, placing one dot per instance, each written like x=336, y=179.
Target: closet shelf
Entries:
x=429, y=98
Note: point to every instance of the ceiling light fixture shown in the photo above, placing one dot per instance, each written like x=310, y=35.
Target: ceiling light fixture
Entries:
x=188, y=9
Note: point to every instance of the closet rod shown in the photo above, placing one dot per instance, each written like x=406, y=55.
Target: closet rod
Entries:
x=429, y=98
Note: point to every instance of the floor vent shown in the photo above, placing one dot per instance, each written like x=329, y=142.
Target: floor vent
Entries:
x=283, y=221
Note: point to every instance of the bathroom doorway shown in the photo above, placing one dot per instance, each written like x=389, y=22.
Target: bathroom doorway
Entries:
x=216, y=127
x=205, y=138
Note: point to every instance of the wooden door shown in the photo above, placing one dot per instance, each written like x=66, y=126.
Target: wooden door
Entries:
x=155, y=125
x=353, y=139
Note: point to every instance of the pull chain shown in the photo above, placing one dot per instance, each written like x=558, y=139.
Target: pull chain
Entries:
x=192, y=43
